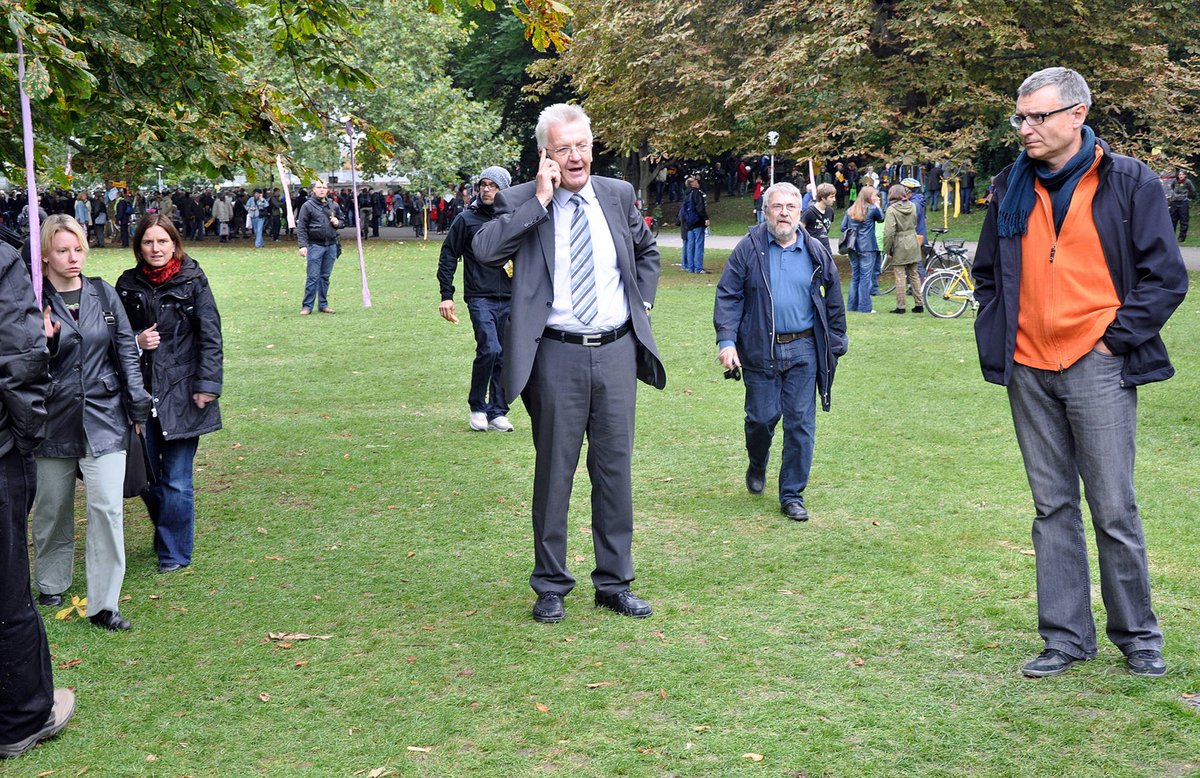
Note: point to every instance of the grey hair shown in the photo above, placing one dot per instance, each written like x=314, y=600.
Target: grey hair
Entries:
x=784, y=187
x=559, y=113
x=1072, y=88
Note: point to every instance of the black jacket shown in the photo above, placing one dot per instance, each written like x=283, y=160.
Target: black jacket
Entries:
x=478, y=280
x=312, y=223
x=95, y=386
x=1143, y=259
x=189, y=356
x=744, y=309
x=24, y=379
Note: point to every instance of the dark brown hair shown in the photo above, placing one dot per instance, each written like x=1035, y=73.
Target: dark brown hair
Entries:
x=156, y=220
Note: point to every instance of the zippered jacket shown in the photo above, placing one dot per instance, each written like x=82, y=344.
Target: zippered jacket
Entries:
x=744, y=310
x=1143, y=258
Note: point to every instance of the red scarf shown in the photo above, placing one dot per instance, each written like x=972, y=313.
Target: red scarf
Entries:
x=160, y=275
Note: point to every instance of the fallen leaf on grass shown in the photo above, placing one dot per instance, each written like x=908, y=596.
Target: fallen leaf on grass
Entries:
x=411, y=554
x=379, y=772
x=264, y=697
x=78, y=606
x=285, y=645
x=127, y=598
x=660, y=635
x=541, y=708
x=466, y=672
x=857, y=662
x=599, y=685
x=300, y=663
x=1028, y=552
x=70, y=663
x=874, y=524
x=154, y=597
x=662, y=693
x=261, y=530
x=471, y=613
x=289, y=636
x=578, y=557
x=586, y=530
x=43, y=775
x=753, y=757
x=701, y=728
x=410, y=659
x=1188, y=695
x=151, y=757
x=274, y=558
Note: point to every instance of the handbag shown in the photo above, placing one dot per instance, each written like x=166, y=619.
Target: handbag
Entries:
x=139, y=475
x=849, y=241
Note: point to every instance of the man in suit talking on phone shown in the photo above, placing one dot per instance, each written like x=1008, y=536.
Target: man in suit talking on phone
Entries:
x=585, y=270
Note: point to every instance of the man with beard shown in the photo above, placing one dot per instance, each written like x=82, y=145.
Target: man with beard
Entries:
x=488, y=292
x=781, y=324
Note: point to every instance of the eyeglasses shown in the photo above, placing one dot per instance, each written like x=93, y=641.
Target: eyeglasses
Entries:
x=488, y=185
x=789, y=207
x=1034, y=119
x=565, y=151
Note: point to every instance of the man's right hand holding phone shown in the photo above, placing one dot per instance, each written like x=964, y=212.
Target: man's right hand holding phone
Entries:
x=548, y=177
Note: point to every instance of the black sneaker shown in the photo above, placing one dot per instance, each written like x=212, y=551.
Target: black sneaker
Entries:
x=1146, y=662
x=1049, y=662
x=918, y=309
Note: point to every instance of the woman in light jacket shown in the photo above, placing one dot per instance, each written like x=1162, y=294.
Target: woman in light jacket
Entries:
x=172, y=310
x=860, y=218
x=95, y=395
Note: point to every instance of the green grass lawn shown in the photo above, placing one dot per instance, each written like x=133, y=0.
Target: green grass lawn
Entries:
x=346, y=498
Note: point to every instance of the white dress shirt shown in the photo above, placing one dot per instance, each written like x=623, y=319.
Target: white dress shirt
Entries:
x=610, y=292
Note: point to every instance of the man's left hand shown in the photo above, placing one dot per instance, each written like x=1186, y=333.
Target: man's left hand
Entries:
x=203, y=398
x=1103, y=349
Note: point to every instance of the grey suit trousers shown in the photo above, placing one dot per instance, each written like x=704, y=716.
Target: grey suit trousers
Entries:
x=576, y=391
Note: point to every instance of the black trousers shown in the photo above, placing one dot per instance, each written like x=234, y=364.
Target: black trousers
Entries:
x=26, y=680
x=1179, y=217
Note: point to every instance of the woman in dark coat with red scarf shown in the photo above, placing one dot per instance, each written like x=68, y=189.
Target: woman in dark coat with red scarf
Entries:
x=169, y=304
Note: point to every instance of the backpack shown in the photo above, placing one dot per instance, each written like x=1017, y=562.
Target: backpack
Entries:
x=687, y=212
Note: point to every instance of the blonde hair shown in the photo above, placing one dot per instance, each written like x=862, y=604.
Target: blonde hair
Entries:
x=858, y=211
x=57, y=223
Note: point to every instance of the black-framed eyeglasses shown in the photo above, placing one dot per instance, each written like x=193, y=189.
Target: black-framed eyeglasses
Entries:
x=1034, y=119
x=485, y=184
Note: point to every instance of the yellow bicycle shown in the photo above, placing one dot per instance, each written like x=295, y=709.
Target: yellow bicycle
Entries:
x=947, y=293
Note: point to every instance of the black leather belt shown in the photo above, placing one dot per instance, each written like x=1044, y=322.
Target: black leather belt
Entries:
x=788, y=337
x=598, y=339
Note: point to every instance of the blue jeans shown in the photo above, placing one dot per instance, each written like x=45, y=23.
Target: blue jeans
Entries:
x=489, y=319
x=862, y=276
x=320, y=267
x=791, y=393
x=693, y=250
x=1081, y=423
x=171, y=499
x=257, y=223
x=875, y=273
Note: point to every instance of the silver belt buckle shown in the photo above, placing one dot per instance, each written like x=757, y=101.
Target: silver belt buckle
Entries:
x=592, y=340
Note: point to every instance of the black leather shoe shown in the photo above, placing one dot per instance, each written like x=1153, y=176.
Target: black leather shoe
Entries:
x=918, y=309
x=795, y=511
x=898, y=310
x=50, y=600
x=1147, y=662
x=111, y=620
x=169, y=567
x=1049, y=662
x=549, y=608
x=756, y=480
x=624, y=603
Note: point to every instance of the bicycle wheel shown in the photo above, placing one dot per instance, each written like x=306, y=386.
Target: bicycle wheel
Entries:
x=887, y=280
x=942, y=260
x=945, y=294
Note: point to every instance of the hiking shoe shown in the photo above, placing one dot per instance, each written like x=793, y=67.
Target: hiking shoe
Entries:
x=1146, y=662
x=1049, y=662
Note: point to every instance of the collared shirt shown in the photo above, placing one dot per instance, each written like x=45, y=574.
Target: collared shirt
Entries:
x=610, y=292
x=791, y=285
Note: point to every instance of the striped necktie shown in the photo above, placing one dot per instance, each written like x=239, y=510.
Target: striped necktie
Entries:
x=583, y=270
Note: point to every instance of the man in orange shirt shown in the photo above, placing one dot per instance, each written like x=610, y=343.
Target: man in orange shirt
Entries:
x=1077, y=271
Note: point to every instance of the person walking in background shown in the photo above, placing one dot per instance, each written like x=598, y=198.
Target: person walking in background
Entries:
x=585, y=272
x=1180, y=194
x=31, y=709
x=317, y=227
x=860, y=219
x=903, y=248
x=171, y=307
x=693, y=219
x=95, y=397
x=256, y=211
x=1072, y=295
x=818, y=216
x=488, y=293
x=781, y=323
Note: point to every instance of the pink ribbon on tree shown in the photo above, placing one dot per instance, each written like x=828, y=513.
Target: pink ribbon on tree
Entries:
x=35, y=222
x=362, y=262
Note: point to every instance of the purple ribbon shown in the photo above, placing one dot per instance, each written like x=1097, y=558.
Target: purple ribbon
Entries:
x=358, y=225
x=35, y=223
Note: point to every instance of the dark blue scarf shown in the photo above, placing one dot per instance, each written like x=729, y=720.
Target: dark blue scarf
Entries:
x=1020, y=198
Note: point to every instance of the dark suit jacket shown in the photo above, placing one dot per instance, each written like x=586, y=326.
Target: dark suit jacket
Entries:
x=524, y=231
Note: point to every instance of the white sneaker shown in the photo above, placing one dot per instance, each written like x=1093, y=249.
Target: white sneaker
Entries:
x=479, y=421
x=500, y=424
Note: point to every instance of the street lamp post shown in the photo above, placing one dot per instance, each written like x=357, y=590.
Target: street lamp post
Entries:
x=159, y=168
x=772, y=138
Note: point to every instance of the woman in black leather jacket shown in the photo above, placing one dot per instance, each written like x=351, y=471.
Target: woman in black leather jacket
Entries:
x=95, y=394
x=171, y=308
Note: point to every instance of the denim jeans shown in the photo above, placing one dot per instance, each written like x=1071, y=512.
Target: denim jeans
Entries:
x=1081, y=423
x=862, y=276
x=791, y=393
x=489, y=319
x=320, y=267
x=258, y=223
x=171, y=499
x=693, y=250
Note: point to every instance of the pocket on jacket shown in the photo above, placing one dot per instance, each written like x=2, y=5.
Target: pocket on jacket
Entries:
x=180, y=372
x=111, y=383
